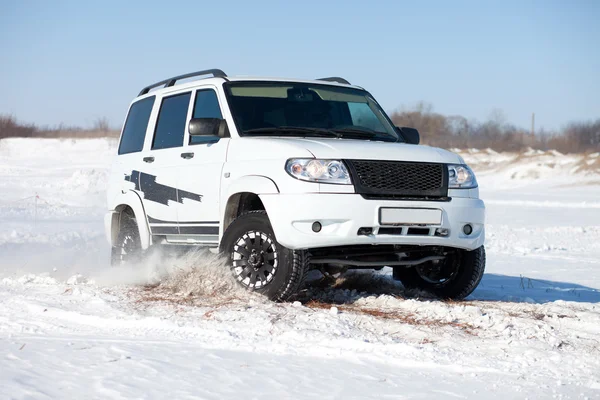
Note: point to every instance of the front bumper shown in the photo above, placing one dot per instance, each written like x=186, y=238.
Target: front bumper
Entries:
x=341, y=216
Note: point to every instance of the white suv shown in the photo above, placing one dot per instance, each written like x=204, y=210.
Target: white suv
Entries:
x=287, y=175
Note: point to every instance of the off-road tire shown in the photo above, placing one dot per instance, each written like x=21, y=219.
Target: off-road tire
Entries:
x=471, y=266
x=128, y=246
x=291, y=267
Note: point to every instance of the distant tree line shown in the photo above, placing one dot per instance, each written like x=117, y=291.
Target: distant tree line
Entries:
x=436, y=130
x=459, y=132
x=10, y=127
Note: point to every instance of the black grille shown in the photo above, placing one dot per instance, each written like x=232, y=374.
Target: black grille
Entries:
x=374, y=178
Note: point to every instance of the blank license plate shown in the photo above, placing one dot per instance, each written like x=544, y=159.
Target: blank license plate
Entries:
x=410, y=216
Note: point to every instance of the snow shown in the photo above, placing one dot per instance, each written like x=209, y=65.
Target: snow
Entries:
x=71, y=326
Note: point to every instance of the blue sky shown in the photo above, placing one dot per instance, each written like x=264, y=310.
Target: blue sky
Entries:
x=76, y=61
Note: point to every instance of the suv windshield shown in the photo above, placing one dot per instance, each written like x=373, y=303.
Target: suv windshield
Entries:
x=303, y=109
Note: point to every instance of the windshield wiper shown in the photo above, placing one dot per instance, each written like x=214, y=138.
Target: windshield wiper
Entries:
x=293, y=130
x=339, y=133
x=357, y=132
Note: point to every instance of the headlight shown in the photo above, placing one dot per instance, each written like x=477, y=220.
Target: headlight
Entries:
x=461, y=177
x=324, y=171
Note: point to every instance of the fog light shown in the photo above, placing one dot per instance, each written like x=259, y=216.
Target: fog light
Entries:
x=316, y=227
x=467, y=229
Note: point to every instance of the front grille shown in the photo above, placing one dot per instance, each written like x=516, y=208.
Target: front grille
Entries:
x=373, y=178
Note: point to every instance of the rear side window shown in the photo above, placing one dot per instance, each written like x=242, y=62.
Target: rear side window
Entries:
x=134, y=132
x=170, y=126
x=206, y=105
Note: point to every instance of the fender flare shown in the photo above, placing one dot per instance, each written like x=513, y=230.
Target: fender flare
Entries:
x=133, y=200
x=256, y=184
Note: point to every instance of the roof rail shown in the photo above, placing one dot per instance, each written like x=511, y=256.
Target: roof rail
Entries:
x=335, y=79
x=217, y=73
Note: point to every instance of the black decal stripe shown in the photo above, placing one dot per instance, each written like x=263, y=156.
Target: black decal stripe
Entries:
x=165, y=230
x=160, y=221
x=134, y=178
x=200, y=223
x=157, y=192
x=198, y=230
x=183, y=194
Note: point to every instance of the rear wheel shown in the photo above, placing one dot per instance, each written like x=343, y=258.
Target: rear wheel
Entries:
x=128, y=247
x=258, y=262
x=455, y=277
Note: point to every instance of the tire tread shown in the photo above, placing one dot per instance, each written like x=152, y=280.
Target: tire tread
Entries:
x=472, y=270
x=300, y=266
x=478, y=267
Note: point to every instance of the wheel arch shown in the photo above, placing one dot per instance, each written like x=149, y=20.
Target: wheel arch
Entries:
x=129, y=202
x=243, y=195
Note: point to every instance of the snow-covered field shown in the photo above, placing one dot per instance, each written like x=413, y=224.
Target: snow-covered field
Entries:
x=72, y=327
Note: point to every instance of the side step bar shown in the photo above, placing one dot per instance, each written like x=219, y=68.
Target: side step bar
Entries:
x=383, y=263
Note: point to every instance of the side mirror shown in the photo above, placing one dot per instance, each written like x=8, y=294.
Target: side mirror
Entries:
x=411, y=135
x=208, y=127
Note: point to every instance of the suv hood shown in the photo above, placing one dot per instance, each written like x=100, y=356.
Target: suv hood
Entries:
x=367, y=150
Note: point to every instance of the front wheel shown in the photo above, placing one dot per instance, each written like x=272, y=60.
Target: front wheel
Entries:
x=258, y=262
x=454, y=278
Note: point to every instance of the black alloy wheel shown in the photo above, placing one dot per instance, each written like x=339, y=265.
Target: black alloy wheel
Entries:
x=258, y=262
x=254, y=259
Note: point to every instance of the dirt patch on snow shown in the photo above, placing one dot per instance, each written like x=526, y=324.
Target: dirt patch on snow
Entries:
x=395, y=315
x=198, y=278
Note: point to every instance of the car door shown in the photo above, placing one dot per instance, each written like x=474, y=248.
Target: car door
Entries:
x=200, y=174
x=126, y=168
x=160, y=163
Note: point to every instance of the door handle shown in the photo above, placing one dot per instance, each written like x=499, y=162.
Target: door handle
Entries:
x=148, y=159
x=187, y=156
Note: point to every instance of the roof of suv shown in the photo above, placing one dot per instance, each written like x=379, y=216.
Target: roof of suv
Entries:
x=218, y=76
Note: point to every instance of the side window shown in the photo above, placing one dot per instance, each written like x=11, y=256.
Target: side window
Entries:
x=134, y=132
x=206, y=105
x=362, y=115
x=170, y=126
